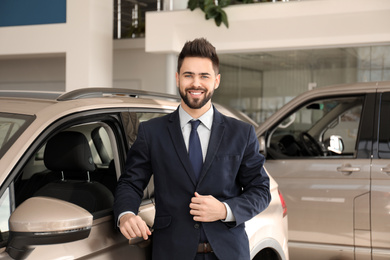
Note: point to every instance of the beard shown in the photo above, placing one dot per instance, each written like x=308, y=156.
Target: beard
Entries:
x=195, y=103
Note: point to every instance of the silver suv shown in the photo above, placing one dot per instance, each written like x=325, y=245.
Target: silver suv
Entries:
x=60, y=157
x=329, y=150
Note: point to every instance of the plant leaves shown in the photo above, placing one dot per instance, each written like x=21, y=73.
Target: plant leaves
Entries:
x=223, y=3
x=212, y=11
x=218, y=20
x=208, y=3
x=193, y=4
x=201, y=4
x=224, y=18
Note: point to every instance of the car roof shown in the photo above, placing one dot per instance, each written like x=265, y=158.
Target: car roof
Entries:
x=34, y=102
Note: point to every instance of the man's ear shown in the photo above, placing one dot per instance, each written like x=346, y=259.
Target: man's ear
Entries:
x=177, y=79
x=217, y=81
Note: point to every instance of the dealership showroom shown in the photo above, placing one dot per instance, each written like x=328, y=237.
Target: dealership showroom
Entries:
x=276, y=57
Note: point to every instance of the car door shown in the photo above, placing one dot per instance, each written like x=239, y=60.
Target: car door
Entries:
x=109, y=134
x=380, y=184
x=313, y=153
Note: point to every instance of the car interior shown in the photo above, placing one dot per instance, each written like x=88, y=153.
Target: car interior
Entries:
x=320, y=129
x=78, y=165
x=67, y=168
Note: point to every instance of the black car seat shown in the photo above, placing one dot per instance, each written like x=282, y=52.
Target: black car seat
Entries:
x=69, y=153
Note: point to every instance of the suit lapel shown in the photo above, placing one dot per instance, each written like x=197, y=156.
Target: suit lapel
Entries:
x=180, y=147
x=216, y=135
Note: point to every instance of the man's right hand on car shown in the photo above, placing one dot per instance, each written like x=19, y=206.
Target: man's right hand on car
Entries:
x=133, y=226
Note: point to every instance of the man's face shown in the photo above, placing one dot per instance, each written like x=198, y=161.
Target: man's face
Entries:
x=197, y=81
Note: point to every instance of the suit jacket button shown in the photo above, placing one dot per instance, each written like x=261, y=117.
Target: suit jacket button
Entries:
x=196, y=226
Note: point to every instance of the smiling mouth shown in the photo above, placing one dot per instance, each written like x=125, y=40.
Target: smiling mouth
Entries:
x=195, y=92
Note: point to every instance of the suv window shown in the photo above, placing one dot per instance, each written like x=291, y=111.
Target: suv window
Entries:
x=321, y=128
x=73, y=165
x=38, y=173
x=11, y=126
x=5, y=213
x=384, y=137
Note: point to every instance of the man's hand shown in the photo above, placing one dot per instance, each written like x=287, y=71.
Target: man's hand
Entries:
x=133, y=226
x=207, y=208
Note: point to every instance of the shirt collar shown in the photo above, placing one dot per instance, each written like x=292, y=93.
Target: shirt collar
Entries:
x=206, y=118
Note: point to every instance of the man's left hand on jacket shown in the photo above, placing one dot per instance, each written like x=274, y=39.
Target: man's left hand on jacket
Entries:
x=207, y=208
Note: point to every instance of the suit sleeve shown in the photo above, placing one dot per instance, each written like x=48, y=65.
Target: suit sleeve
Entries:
x=254, y=180
x=134, y=179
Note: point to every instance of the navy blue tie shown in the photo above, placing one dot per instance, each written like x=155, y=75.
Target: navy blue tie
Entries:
x=195, y=150
x=196, y=158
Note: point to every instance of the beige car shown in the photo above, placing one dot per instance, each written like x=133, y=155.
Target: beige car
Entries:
x=329, y=150
x=60, y=158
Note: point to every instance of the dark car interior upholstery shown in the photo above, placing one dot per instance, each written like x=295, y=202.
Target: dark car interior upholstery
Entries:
x=70, y=154
x=79, y=165
x=70, y=164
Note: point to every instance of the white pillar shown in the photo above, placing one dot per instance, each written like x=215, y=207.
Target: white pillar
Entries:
x=171, y=65
x=89, y=55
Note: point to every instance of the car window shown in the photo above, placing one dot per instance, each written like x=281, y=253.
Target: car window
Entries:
x=11, y=126
x=321, y=129
x=76, y=165
x=384, y=130
x=5, y=213
x=53, y=162
x=41, y=173
x=131, y=121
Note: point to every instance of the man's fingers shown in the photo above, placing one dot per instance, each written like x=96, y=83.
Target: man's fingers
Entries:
x=143, y=230
x=134, y=226
x=125, y=233
x=206, y=208
x=198, y=198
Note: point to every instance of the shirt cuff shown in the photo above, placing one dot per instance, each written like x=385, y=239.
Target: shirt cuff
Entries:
x=229, y=214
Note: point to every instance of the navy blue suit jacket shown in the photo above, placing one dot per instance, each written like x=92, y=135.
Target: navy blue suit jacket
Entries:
x=232, y=172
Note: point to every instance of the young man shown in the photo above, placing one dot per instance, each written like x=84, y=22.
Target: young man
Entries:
x=201, y=206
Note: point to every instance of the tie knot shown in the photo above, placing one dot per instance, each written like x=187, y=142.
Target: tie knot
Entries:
x=195, y=124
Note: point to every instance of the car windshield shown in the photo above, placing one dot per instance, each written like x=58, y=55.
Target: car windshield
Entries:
x=11, y=127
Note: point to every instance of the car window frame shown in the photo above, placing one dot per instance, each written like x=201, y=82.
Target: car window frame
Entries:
x=108, y=116
x=364, y=135
x=381, y=127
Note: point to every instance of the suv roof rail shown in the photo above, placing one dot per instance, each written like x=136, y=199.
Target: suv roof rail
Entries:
x=30, y=94
x=101, y=92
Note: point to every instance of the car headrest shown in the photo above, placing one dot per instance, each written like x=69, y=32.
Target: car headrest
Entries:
x=68, y=151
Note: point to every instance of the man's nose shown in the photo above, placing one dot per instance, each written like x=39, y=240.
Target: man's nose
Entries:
x=196, y=82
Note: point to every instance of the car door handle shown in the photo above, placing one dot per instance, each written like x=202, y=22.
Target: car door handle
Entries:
x=347, y=169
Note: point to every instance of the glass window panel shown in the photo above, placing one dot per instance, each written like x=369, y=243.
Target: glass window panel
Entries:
x=384, y=130
x=11, y=126
x=323, y=128
x=259, y=83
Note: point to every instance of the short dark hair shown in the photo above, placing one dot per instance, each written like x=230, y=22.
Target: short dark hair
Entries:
x=199, y=47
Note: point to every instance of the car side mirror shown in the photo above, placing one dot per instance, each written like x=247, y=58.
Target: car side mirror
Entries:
x=43, y=220
x=336, y=144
